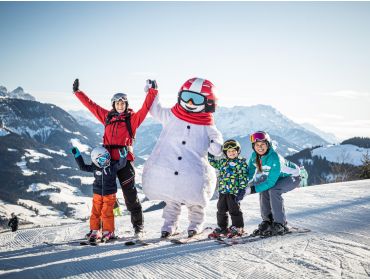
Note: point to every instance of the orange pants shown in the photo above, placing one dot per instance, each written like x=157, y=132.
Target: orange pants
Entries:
x=102, y=211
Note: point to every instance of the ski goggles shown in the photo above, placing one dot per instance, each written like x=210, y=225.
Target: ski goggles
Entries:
x=258, y=136
x=196, y=98
x=229, y=145
x=118, y=97
x=103, y=160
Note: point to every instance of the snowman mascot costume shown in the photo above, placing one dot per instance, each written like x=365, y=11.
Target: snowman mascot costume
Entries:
x=177, y=170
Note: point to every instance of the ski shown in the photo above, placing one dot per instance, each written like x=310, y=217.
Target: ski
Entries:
x=202, y=236
x=98, y=241
x=253, y=238
x=68, y=242
x=238, y=240
x=147, y=242
x=83, y=243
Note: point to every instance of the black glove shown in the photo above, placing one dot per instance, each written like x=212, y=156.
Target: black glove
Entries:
x=153, y=84
x=150, y=84
x=240, y=195
x=76, y=152
x=76, y=85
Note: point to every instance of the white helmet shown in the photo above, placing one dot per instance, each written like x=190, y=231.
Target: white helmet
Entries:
x=100, y=157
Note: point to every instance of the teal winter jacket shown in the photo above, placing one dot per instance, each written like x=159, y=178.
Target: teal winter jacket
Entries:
x=274, y=166
x=233, y=174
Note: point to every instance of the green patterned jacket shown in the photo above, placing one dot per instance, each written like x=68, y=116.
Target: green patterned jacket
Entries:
x=233, y=174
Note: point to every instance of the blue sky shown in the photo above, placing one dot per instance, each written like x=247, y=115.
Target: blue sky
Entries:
x=309, y=60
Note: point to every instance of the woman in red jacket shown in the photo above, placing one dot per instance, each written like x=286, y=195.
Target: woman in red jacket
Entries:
x=120, y=124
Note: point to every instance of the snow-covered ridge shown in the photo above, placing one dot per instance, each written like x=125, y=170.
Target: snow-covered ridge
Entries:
x=347, y=153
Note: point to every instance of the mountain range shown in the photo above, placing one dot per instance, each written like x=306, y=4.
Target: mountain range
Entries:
x=36, y=166
x=234, y=123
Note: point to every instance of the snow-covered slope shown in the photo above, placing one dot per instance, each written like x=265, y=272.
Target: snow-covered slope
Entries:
x=338, y=246
x=346, y=153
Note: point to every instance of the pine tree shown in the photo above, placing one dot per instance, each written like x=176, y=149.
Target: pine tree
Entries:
x=365, y=168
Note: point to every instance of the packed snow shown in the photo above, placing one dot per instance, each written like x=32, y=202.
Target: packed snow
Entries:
x=337, y=247
x=347, y=153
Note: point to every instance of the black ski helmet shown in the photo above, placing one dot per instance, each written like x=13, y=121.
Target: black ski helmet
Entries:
x=231, y=144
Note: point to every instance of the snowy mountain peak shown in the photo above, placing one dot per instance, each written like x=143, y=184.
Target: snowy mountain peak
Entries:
x=243, y=120
x=330, y=137
x=3, y=91
x=19, y=93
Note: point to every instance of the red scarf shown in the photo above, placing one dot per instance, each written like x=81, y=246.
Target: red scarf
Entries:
x=194, y=118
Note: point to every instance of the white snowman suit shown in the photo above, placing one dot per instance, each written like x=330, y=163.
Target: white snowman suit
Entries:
x=178, y=171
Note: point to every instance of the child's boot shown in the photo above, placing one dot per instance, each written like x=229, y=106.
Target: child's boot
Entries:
x=87, y=236
x=93, y=236
x=107, y=235
x=235, y=232
x=218, y=233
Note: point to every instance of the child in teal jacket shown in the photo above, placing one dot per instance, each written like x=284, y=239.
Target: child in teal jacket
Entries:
x=270, y=175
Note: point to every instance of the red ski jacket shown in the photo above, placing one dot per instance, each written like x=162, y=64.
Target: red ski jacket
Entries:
x=116, y=133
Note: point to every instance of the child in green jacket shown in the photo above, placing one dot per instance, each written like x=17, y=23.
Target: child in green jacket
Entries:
x=232, y=181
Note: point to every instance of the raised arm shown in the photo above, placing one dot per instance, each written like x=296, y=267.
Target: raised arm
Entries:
x=215, y=140
x=138, y=117
x=99, y=112
x=80, y=161
x=216, y=163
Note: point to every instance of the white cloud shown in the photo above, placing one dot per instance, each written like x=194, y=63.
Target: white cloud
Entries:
x=349, y=94
x=330, y=116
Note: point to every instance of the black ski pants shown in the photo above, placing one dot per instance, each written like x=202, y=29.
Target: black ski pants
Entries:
x=226, y=203
x=126, y=177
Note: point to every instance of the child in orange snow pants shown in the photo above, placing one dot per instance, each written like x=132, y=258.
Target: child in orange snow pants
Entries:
x=104, y=190
x=102, y=211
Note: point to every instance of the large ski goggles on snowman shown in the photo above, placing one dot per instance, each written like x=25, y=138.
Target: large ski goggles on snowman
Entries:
x=195, y=97
x=259, y=136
